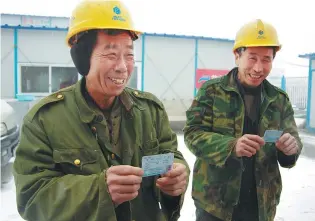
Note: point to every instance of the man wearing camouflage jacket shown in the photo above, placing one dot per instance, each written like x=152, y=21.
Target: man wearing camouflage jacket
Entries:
x=236, y=174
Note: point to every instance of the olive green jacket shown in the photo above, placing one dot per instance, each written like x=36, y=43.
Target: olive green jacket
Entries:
x=214, y=122
x=64, y=150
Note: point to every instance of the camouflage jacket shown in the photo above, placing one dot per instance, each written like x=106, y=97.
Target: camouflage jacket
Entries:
x=214, y=122
x=65, y=147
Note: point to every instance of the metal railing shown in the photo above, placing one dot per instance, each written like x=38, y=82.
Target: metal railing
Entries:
x=296, y=88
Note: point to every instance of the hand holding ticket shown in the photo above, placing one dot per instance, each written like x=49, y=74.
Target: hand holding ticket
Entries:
x=271, y=136
x=157, y=164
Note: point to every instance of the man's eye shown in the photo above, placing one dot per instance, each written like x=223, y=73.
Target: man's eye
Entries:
x=130, y=56
x=111, y=56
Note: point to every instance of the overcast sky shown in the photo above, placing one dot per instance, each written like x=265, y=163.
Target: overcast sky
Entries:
x=222, y=19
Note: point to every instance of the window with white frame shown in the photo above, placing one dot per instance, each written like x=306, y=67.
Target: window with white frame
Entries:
x=44, y=79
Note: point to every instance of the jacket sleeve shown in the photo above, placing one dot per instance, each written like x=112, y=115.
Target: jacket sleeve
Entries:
x=199, y=137
x=168, y=144
x=45, y=193
x=289, y=126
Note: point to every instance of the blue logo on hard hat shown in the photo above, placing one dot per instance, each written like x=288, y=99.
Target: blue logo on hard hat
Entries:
x=261, y=32
x=116, y=10
x=118, y=17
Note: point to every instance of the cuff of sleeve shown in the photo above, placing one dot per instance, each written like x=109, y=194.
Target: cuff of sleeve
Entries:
x=232, y=152
x=172, y=205
x=286, y=161
x=104, y=195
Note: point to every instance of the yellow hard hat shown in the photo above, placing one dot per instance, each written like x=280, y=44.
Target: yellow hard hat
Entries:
x=99, y=14
x=255, y=34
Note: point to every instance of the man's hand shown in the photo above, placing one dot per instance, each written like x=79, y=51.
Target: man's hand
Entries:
x=123, y=182
x=287, y=144
x=174, y=182
x=248, y=145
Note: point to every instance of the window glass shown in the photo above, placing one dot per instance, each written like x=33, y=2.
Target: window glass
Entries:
x=62, y=77
x=34, y=79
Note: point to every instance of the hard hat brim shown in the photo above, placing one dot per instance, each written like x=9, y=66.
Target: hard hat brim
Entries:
x=259, y=45
x=76, y=31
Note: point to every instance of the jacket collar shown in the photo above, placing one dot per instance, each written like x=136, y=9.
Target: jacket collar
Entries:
x=88, y=113
x=228, y=83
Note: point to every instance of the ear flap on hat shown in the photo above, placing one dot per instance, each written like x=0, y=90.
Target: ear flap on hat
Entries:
x=82, y=50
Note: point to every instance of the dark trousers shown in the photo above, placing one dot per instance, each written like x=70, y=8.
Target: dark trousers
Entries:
x=202, y=215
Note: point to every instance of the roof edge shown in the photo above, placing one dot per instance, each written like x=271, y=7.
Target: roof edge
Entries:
x=17, y=14
x=145, y=33
x=308, y=55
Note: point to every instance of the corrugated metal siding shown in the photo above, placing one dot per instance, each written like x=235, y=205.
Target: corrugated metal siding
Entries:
x=7, y=63
x=63, y=22
x=308, y=55
x=60, y=22
x=40, y=21
x=10, y=19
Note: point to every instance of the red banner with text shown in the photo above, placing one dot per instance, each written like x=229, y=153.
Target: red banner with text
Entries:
x=203, y=75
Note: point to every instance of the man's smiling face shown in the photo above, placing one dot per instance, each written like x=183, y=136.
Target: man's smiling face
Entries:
x=254, y=65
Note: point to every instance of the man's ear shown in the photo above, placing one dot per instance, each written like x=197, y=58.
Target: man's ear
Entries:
x=237, y=58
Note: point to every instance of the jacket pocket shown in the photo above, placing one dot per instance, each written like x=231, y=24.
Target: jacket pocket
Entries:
x=77, y=160
x=150, y=147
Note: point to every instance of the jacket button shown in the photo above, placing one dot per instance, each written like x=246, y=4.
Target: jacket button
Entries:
x=59, y=96
x=77, y=162
x=136, y=92
x=113, y=156
x=93, y=129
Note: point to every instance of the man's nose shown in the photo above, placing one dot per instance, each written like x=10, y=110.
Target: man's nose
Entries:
x=258, y=67
x=121, y=65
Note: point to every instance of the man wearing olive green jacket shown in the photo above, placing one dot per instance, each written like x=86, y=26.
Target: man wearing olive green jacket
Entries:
x=81, y=148
x=236, y=174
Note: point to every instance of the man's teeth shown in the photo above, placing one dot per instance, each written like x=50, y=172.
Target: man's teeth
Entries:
x=117, y=81
x=255, y=76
